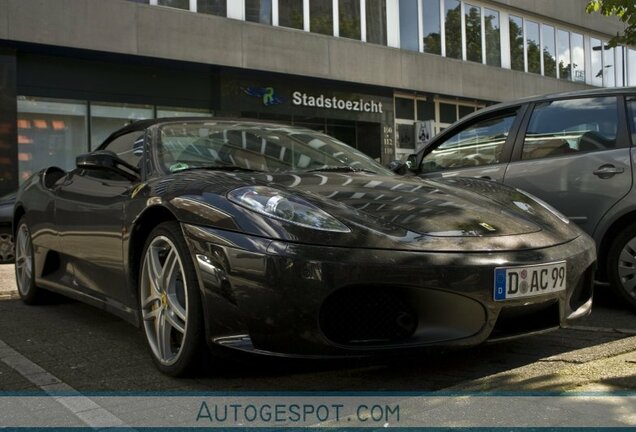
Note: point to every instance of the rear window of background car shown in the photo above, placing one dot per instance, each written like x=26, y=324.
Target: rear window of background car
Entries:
x=571, y=126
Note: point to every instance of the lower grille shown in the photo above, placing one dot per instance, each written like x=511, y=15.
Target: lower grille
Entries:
x=367, y=316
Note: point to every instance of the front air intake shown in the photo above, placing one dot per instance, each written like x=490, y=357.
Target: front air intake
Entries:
x=367, y=316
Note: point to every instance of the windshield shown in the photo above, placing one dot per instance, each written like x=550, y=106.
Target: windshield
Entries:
x=257, y=147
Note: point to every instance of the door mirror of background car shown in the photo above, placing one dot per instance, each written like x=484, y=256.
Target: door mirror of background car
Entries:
x=107, y=160
x=399, y=167
x=403, y=167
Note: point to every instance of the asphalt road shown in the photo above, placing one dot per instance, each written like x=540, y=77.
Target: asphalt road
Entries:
x=91, y=350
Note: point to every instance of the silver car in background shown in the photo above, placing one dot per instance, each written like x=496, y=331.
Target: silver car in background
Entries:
x=572, y=150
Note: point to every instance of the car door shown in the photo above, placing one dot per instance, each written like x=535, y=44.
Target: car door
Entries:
x=574, y=154
x=478, y=147
x=90, y=214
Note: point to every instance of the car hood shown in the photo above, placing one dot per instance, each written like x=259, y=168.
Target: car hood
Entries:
x=384, y=211
x=417, y=205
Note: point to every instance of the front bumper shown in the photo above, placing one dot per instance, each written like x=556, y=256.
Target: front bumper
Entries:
x=315, y=301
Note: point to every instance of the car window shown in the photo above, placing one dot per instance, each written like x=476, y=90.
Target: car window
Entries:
x=571, y=126
x=128, y=147
x=631, y=107
x=480, y=143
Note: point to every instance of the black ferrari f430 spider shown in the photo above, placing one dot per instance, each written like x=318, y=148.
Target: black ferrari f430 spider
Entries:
x=284, y=241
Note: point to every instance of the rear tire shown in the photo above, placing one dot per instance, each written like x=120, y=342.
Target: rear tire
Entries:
x=621, y=266
x=25, y=265
x=170, y=301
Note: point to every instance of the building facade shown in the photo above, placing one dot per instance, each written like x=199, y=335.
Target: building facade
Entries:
x=380, y=75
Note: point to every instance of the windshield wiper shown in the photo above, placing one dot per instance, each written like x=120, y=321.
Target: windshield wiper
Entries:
x=340, y=168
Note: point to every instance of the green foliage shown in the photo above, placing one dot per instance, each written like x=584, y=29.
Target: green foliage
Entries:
x=624, y=10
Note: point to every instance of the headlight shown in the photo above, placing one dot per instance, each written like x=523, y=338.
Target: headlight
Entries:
x=547, y=206
x=284, y=206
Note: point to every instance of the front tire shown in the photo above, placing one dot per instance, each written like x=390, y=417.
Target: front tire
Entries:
x=170, y=301
x=622, y=266
x=25, y=265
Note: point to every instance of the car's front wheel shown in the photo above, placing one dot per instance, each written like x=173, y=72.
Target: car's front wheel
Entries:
x=622, y=265
x=170, y=301
x=25, y=265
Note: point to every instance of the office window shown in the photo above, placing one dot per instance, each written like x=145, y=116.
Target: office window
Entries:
x=404, y=108
x=106, y=118
x=290, y=13
x=578, y=57
x=212, y=7
x=493, y=37
x=533, y=47
x=631, y=68
x=321, y=17
x=565, y=58
x=549, y=51
x=376, y=21
x=447, y=113
x=597, y=62
x=50, y=133
x=516, y=43
x=472, y=19
x=609, y=67
x=349, y=18
x=431, y=26
x=408, y=25
x=179, y=4
x=453, y=28
x=425, y=109
x=259, y=11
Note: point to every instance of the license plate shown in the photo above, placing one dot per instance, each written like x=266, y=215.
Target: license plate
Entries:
x=528, y=281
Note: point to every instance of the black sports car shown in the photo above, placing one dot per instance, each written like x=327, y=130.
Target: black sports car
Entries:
x=283, y=241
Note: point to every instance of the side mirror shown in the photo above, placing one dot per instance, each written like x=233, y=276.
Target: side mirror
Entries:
x=403, y=167
x=399, y=167
x=107, y=160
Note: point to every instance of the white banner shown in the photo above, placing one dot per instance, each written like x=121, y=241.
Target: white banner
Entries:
x=335, y=410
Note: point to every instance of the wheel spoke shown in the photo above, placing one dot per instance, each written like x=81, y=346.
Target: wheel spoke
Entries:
x=151, y=300
x=155, y=270
x=168, y=270
x=175, y=306
x=174, y=321
x=152, y=314
x=163, y=336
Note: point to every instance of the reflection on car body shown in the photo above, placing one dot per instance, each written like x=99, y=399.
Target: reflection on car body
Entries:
x=284, y=241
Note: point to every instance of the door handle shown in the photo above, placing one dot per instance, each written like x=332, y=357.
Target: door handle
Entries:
x=607, y=171
x=486, y=177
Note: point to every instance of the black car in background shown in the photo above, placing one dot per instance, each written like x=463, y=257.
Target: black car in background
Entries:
x=284, y=241
x=6, y=235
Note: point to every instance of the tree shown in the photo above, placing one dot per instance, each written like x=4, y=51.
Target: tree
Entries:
x=625, y=10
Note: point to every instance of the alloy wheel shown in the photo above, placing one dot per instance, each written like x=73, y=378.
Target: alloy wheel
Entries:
x=164, y=303
x=24, y=260
x=627, y=267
